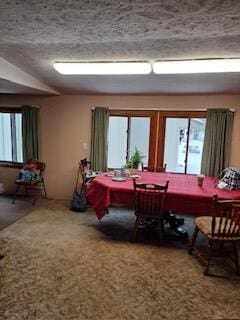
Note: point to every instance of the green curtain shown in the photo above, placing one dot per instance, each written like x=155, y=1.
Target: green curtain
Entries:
x=100, y=121
x=30, y=132
x=217, y=141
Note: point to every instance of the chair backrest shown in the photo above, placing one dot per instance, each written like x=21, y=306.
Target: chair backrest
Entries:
x=150, y=199
x=154, y=169
x=39, y=165
x=161, y=169
x=148, y=168
x=226, y=218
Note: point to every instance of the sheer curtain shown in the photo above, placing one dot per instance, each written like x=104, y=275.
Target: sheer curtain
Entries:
x=100, y=121
x=30, y=132
x=217, y=141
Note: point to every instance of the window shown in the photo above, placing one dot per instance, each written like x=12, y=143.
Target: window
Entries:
x=11, y=137
x=125, y=134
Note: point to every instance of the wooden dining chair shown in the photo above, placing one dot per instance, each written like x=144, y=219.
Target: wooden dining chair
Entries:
x=36, y=184
x=222, y=228
x=154, y=169
x=148, y=168
x=149, y=204
x=161, y=169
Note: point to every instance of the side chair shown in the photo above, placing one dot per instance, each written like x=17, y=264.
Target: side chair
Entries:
x=149, y=204
x=37, y=185
x=154, y=169
x=161, y=169
x=222, y=228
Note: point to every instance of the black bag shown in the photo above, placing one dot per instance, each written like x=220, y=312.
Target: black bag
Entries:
x=79, y=201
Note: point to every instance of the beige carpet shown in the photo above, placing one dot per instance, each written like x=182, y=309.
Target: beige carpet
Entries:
x=65, y=265
x=10, y=213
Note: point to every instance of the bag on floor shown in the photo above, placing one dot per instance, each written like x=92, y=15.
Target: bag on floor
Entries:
x=79, y=202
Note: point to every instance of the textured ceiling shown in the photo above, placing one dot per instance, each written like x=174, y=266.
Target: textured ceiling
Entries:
x=34, y=34
x=7, y=87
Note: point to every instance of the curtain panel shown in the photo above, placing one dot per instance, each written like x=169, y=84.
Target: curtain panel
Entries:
x=99, y=135
x=30, y=132
x=217, y=141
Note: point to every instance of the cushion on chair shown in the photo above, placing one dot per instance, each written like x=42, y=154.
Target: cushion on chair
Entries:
x=29, y=175
x=204, y=224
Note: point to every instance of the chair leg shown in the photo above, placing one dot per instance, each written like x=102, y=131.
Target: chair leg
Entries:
x=221, y=247
x=236, y=257
x=194, y=238
x=208, y=258
x=15, y=194
x=135, y=229
x=160, y=231
x=44, y=188
x=34, y=201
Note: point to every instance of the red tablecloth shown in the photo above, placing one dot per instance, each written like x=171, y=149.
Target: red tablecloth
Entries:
x=183, y=195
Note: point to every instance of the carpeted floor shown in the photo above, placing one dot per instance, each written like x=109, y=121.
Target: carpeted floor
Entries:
x=65, y=265
x=10, y=213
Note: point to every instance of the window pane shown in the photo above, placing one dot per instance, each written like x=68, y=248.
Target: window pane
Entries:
x=139, y=136
x=197, y=131
x=175, y=144
x=5, y=137
x=18, y=123
x=117, y=142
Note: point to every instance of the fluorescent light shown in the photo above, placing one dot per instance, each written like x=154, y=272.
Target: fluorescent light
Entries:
x=108, y=68
x=197, y=66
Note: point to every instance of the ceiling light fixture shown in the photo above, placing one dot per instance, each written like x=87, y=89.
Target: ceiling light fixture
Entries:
x=104, y=68
x=197, y=66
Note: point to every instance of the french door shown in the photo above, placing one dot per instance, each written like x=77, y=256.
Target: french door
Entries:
x=183, y=144
x=174, y=138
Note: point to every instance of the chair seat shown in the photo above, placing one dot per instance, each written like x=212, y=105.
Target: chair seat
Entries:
x=204, y=224
x=28, y=183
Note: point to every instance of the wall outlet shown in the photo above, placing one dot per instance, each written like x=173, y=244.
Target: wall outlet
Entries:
x=84, y=146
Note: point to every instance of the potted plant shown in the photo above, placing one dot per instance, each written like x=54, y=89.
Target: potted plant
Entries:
x=134, y=162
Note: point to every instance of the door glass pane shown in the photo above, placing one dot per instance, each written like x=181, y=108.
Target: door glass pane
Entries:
x=18, y=124
x=197, y=131
x=117, y=142
x=175, y=144
x=5, y=137
x=139, y=136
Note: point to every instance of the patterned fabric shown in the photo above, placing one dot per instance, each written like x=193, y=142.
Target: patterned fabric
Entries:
x=26, y=175
x=231, y=178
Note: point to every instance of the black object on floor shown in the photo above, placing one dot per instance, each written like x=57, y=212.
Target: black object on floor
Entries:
x=175, y=223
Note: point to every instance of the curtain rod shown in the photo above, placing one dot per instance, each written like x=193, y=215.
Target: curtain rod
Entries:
x=17, y=106
x=165, y=109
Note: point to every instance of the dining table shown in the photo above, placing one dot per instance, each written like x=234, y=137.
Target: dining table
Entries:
x=184, y=195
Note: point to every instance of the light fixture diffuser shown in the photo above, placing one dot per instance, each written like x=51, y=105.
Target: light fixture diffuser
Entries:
x=197, y=66
x=104, y=68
